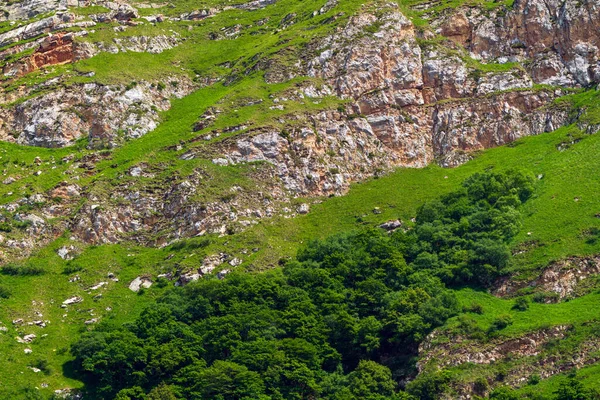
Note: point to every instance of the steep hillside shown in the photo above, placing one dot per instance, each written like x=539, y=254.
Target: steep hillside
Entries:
x=145, y=146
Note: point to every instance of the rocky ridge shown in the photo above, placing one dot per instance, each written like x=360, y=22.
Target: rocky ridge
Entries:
x=409, y=101
x=527, y=355
x=562, y=278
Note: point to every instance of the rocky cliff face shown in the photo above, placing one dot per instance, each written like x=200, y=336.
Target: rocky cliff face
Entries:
x=559, y=40
x=54, y=50
x=523, y=356
x=562, y=279
x=409, y=104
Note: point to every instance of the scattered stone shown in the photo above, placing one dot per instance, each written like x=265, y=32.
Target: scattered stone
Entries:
x=91, y=321
x=391, y=225
x=376, y=210
x=235, y=262
x=75, y=278
x=9, y=180
x=18, y=321
x=222, y=274
x=112, y=277
x=65, y=191
x=140, y=282
x=135, y=171
x=220, y=161
x=184, y=279
x=98, y=286
x=66, y=252
x=26, y=339
x=72, y=300
x=303, y=209
x=27, y=351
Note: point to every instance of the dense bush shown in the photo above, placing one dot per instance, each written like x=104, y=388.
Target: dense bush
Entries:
x=298, y=332
x=521, y=304
x=463, y=237
x=21, y=270
x=5, y=292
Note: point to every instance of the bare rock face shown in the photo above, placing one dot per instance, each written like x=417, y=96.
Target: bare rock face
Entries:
x=529, y=349
x=141, y=282
x=33, y=29
x=562, y=277
x=53, y=50
x=387, y=62
x=451, y=354
x=29, y=9
x=58, y=118
x=410, y=102
x=493, y=121
x=149, y=44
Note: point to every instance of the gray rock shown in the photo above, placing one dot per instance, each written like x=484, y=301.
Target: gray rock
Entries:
x=391, y=225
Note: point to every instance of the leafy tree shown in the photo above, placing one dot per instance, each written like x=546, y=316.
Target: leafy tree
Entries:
x=503, y=393
x=371, y=381
x=573, y=389
x=162, y=392
x=430, y=386
x=222, y=380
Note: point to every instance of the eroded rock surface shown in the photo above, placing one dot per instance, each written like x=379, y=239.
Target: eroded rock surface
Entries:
x=562, y=278
x=105, y=114
x=560, y=39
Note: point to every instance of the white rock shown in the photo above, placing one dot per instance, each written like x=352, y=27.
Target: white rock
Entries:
x=303, y=209
x=73, y=300
x=98, y=286
x=235, y=262
x=140, y=282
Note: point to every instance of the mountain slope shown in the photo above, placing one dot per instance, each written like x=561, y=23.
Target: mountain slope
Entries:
x=184, y=140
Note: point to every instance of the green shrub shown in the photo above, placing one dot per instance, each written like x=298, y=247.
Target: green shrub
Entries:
x=4, y=292
x=481, y=385
x=545, y=297
x=501, y=322
x=43, y=365
x=533, y=379
x=21, y=270
x=71, y=268
x=475, y=308
x=521, y=304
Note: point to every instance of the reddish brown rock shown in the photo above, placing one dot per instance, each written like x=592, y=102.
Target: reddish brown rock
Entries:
x=54, y=50
x=457, y=28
